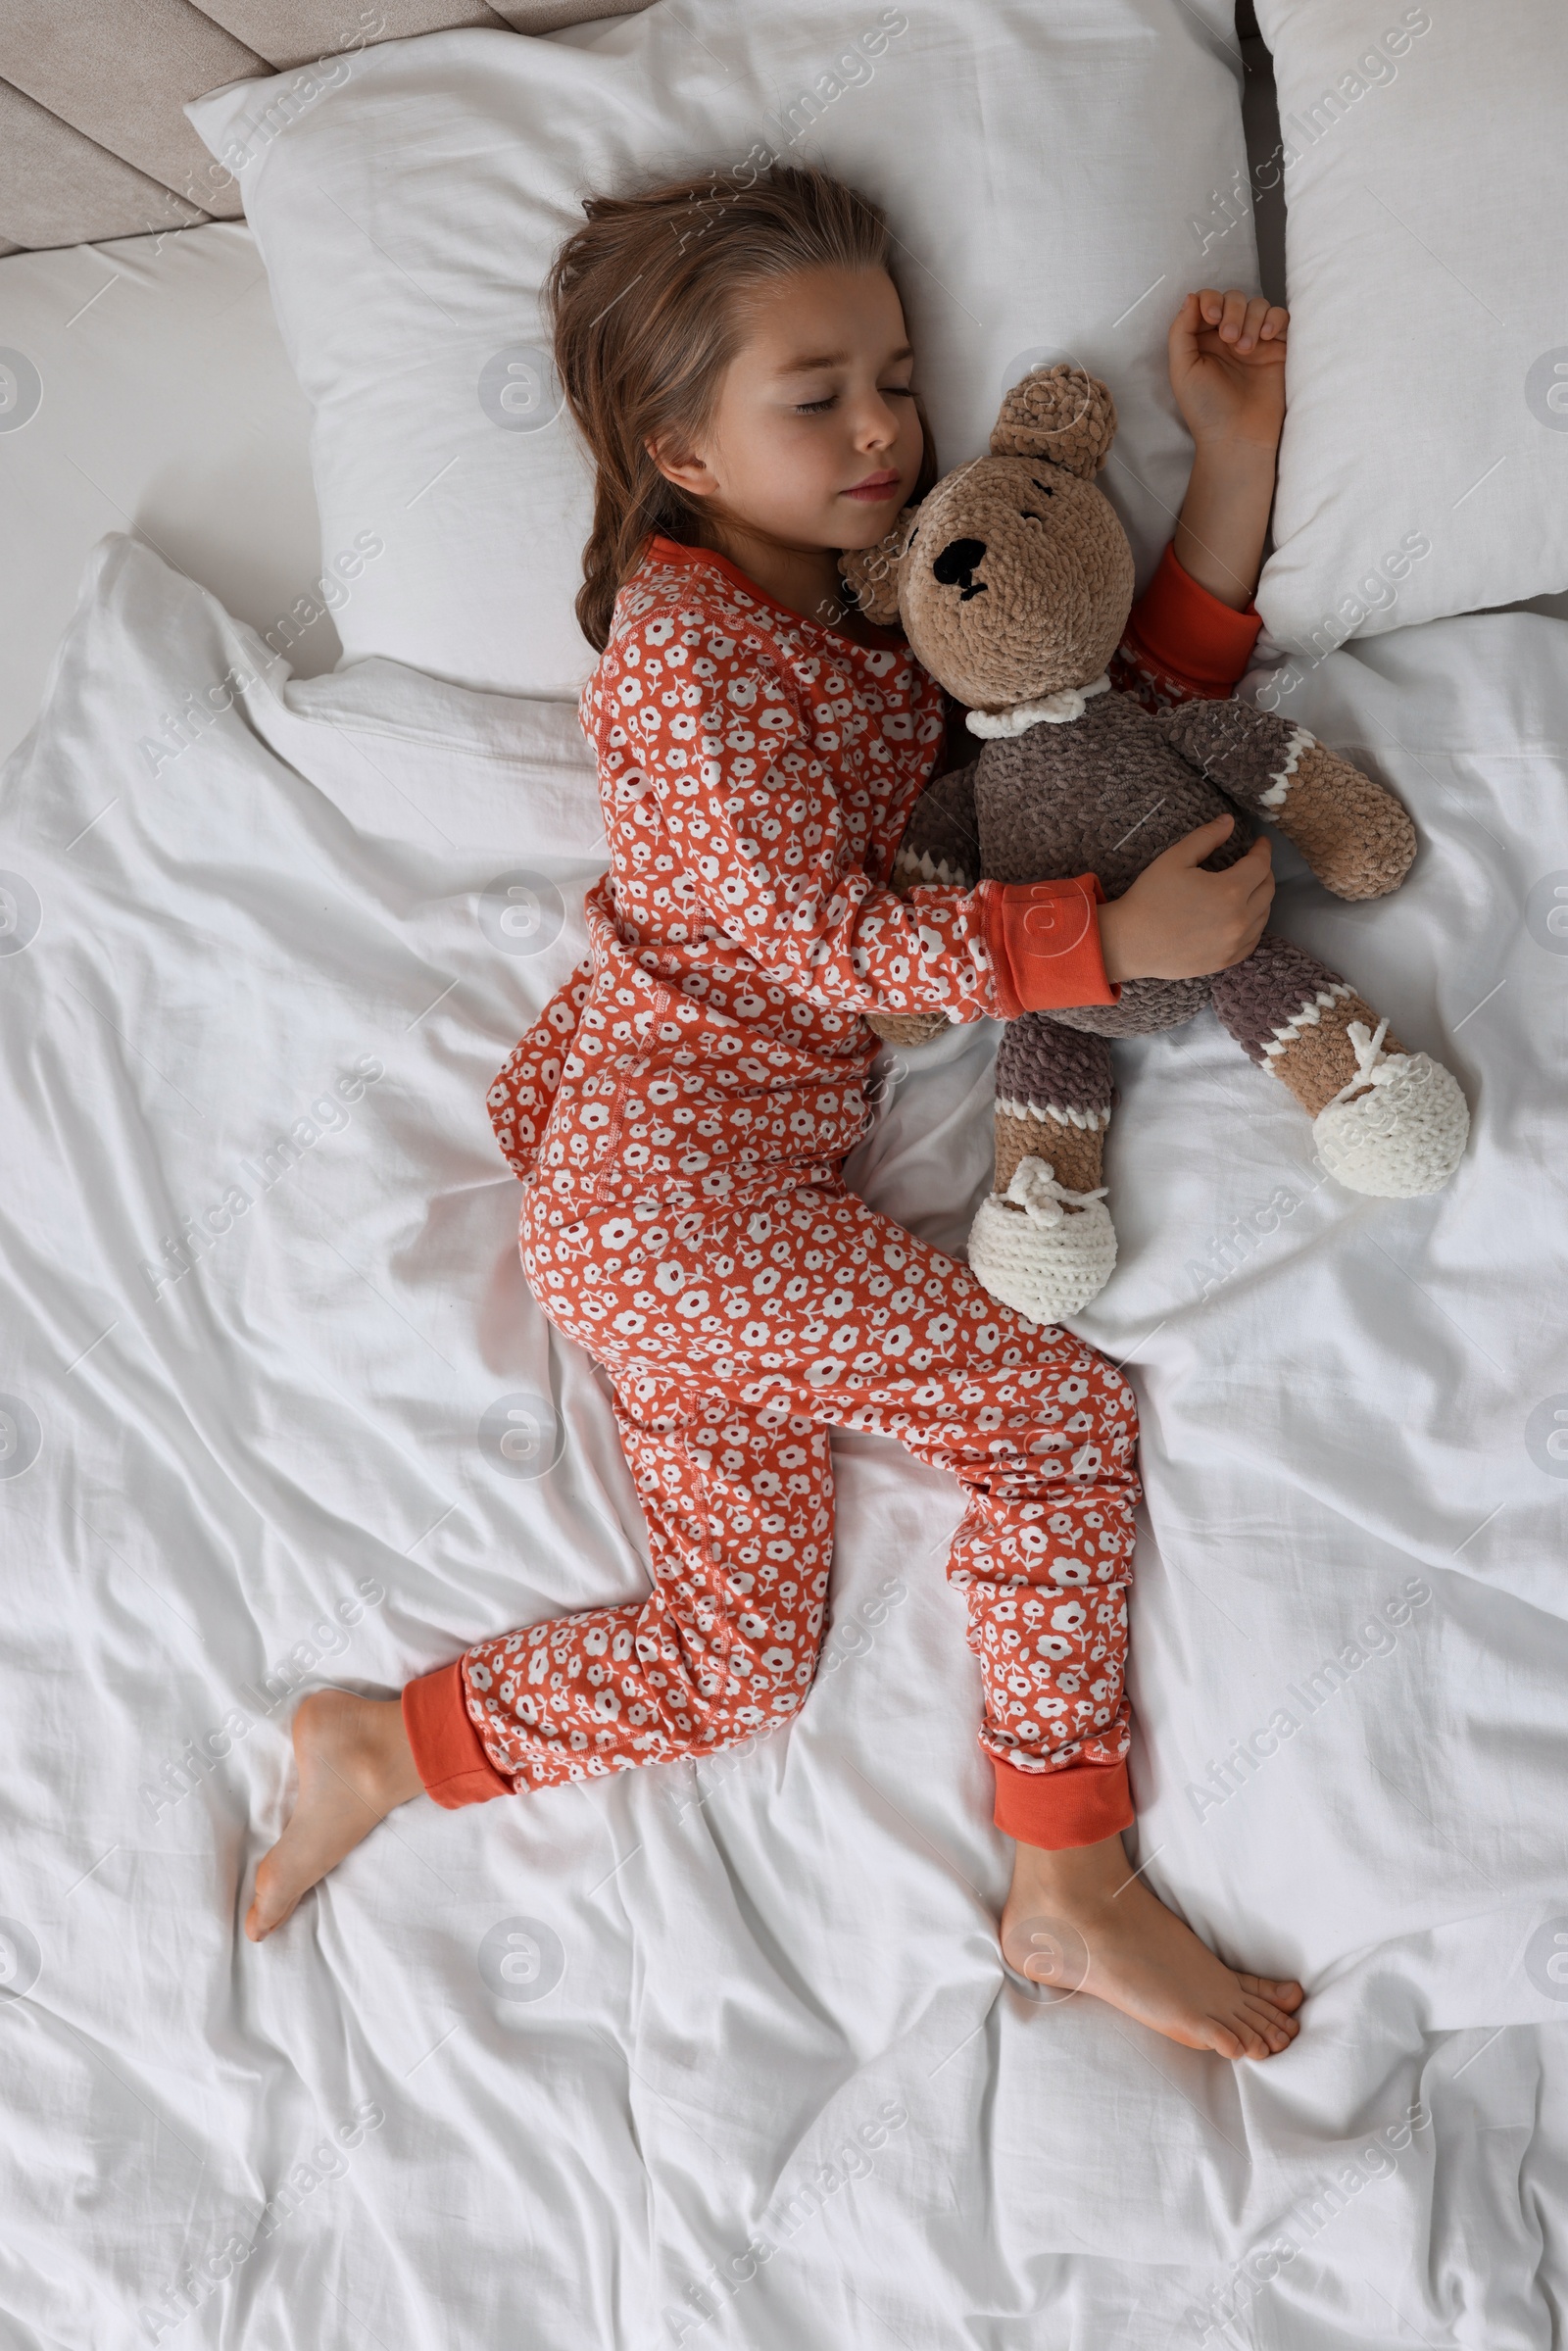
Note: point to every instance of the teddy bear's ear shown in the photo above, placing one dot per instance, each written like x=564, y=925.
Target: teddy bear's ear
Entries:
x=874, y=572
x=1062, y=414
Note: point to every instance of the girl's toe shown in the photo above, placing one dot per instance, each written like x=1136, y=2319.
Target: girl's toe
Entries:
x=1280, y=1992
x=1277, y=2028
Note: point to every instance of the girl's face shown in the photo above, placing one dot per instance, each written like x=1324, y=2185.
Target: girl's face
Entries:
x=814, y=441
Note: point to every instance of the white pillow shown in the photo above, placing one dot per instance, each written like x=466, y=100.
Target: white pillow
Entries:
x=1424, y=468
x=1056, y=177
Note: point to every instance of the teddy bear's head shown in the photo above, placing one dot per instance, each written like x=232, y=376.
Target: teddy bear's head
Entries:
x=1012, y=578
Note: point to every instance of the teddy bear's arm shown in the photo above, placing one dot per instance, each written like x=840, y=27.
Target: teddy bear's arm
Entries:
x=1352, y=832
x=942, y=844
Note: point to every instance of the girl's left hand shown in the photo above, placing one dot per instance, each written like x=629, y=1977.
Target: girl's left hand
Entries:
x=1227, y=367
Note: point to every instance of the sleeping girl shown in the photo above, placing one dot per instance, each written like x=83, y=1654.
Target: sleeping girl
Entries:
x=739, y=364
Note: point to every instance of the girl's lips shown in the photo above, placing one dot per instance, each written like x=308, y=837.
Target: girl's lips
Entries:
x=876, y=491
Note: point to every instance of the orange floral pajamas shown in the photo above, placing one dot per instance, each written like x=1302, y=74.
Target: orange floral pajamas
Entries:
x=679, y=1116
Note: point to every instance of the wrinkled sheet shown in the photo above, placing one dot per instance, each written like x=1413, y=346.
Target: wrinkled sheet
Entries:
x=727, y=2055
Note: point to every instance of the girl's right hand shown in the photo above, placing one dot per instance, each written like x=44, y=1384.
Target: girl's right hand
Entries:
x=1177, y=922
x=1227, y=367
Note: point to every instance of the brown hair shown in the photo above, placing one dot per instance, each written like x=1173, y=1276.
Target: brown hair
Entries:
x=644, y=304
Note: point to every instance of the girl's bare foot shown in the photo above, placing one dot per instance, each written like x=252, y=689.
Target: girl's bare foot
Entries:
x=355, y=1767
x=1080, y=1921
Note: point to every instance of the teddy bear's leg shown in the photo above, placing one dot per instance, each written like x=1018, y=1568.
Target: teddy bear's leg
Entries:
x=900, y=1029
x=1054, y=1097
x=1355, y=834
x=1043, y=1242
x=1385, y=1121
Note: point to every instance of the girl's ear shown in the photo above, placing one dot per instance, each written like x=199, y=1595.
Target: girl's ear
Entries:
x=874, y=572
x=1061, y=414
x=683, y=468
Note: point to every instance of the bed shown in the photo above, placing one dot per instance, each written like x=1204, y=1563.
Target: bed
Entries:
x=720, y=2054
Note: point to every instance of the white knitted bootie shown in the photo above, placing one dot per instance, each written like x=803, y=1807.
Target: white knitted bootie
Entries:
x=1404, y=1131
x=1033, y=1255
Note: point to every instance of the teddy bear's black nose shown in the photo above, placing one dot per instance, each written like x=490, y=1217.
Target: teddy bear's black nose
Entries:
x=954, y=567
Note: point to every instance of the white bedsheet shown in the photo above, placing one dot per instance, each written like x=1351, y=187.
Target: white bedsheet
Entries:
x=272, y=1466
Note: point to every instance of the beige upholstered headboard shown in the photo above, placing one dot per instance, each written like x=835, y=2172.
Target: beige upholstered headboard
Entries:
x=93, y=143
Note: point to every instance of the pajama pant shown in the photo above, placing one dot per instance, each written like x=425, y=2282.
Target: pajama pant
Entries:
x=736, y=1332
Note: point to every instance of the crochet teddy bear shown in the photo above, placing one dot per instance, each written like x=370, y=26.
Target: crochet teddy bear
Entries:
x=1013, y=580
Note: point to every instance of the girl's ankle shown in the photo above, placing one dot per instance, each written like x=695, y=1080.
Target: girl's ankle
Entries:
x=1079, y=1873
x=397, y=1774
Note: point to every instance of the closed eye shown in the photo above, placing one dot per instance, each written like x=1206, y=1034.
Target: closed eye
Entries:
x=1043, y=486
x=818, y=407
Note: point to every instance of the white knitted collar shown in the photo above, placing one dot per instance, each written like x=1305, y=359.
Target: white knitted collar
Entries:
x=1056, y=710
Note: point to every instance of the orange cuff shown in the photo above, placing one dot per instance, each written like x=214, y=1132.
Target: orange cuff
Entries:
x=1079, y=1805
x=1181, y=630
x=447, y=1751
x=1043, y=939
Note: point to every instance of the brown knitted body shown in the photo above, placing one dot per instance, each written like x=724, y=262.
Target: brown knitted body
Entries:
x=1105, y=793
